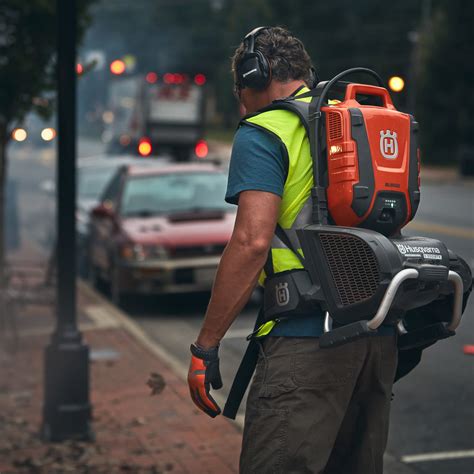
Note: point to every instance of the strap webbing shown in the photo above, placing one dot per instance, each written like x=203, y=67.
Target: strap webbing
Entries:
x=283, y=236
x=268, y=267
x=243, y=375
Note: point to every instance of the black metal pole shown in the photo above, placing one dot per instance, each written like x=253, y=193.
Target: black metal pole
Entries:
x=67, y=410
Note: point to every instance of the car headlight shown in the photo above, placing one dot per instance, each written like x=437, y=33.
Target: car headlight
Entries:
x=19, y=134
x=48, y=134
x=141, y=252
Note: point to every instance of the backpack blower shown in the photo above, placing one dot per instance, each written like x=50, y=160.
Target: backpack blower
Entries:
x=359, y=268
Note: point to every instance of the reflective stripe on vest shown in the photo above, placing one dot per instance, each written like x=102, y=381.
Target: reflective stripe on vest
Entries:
x=296, y=206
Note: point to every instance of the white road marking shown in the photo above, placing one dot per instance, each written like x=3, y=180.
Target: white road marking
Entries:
x=443, y=455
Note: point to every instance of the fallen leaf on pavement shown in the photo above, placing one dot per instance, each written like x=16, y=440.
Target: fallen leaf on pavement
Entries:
x=156, y=382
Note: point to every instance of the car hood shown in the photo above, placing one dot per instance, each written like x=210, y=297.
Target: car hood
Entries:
x=172, y=232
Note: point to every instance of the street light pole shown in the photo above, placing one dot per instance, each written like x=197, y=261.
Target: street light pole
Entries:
x=66, y=410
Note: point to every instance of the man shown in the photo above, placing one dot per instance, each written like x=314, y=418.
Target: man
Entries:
x=309, y=410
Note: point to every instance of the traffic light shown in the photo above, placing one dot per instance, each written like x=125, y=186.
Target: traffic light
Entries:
x=117, y=67
x=151, y=77
x=396, y=83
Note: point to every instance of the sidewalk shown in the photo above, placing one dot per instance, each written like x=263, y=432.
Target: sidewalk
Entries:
x=135, y=432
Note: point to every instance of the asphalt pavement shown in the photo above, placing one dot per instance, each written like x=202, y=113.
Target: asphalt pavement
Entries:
x=433, y=408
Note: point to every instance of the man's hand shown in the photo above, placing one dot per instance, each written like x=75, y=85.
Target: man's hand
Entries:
x=204, y=372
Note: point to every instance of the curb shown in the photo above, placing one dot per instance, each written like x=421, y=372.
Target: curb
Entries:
x=124, y=321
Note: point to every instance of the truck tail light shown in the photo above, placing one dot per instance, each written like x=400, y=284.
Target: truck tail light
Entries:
x=201, y=149
x=200, y=79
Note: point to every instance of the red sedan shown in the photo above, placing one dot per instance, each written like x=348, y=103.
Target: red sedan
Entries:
x=161, y=229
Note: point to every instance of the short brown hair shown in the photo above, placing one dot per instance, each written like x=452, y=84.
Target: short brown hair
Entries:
x=286, y=55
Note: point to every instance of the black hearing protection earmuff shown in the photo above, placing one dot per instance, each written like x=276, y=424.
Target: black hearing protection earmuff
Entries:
x=254, y=70
x=313, y=78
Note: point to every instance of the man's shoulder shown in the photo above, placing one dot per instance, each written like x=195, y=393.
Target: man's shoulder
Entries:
x=249, y=136
x=258, y=163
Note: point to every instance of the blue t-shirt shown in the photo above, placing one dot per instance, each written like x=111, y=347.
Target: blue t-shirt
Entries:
x=259, y=163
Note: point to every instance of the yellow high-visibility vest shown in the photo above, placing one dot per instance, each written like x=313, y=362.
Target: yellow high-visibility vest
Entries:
x=296, y=205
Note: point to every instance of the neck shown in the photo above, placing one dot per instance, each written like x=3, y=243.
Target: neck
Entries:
x=280, y=90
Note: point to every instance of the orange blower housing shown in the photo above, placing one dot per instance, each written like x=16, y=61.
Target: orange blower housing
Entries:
x=373, y=161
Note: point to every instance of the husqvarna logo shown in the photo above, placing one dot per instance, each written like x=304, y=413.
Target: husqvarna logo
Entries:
x=282, y=294
x=388, y=144
x=402, y=248
x=405, y=249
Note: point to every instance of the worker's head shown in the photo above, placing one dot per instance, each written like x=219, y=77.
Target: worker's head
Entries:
x=269, y=62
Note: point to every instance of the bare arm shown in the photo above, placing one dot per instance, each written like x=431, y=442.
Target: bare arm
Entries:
x=241, y=263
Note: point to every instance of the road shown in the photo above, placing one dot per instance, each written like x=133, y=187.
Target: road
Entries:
x=433, y=408
x=31, y=167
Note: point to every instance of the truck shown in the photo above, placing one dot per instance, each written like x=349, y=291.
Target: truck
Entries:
x=156, y=114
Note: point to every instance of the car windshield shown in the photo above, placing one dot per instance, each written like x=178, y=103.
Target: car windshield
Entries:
x=92, y=181
x=175, y=193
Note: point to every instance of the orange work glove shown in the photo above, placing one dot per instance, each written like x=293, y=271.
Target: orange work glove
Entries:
x=204, y=372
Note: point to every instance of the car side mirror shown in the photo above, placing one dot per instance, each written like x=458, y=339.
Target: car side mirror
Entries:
x=102, y=211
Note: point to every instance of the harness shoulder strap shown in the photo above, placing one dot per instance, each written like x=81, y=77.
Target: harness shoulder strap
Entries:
x=244, y=374
x=283, y=236
x=299, y=107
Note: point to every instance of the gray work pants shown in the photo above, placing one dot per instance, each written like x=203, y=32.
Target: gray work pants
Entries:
x=313, y=410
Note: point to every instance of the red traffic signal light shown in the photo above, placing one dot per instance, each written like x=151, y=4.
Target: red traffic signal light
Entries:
x=151, y=77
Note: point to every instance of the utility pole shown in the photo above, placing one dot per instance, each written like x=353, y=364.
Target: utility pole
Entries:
x=66, y=410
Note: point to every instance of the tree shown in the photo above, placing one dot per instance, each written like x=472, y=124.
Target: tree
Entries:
x=27, y=72
x=445, y=97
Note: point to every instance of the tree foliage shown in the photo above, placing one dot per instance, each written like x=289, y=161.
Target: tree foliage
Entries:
x=27, y=70
x=27, y=53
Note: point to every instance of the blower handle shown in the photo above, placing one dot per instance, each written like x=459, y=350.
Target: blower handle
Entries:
x=320, y=210
x=358, y=329
x=353, y=89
